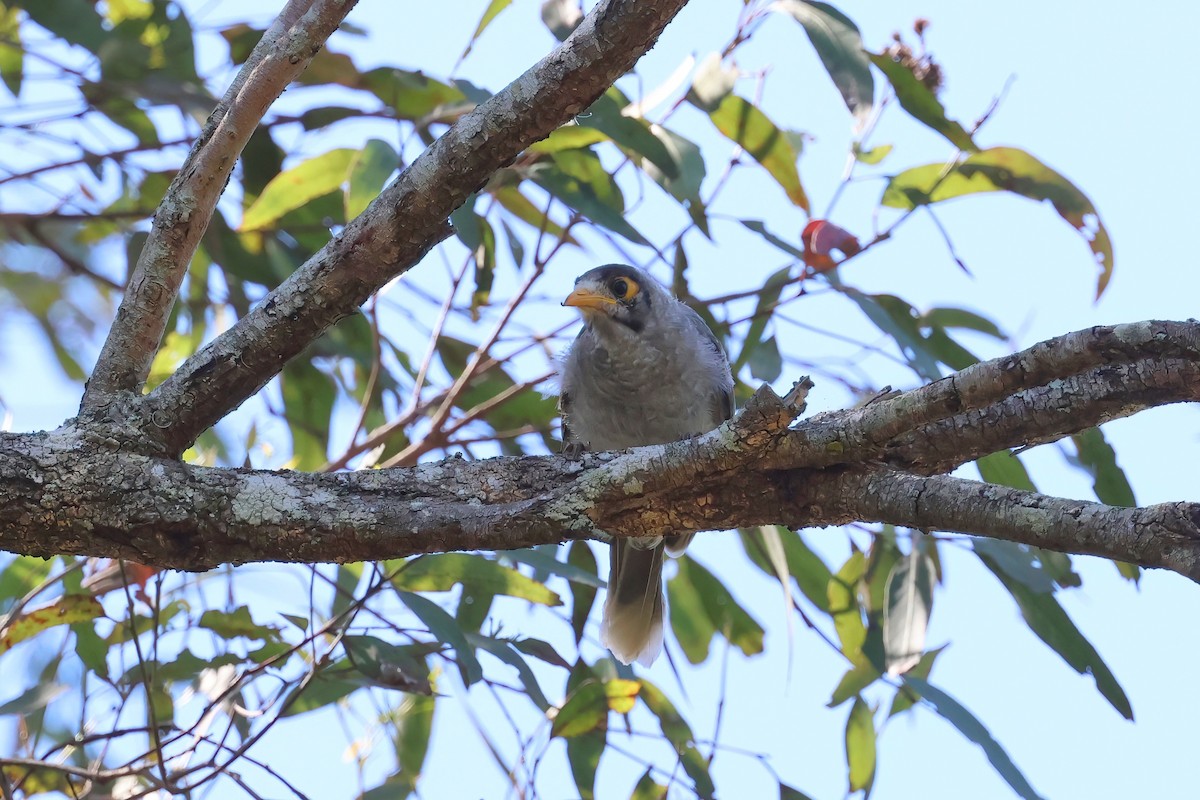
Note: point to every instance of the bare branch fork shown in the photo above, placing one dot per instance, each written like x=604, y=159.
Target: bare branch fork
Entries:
x=284, y=51
x=74, y=491
x=390, y=237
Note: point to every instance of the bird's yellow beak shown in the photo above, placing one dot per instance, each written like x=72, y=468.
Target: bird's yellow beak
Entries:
x=587, y=298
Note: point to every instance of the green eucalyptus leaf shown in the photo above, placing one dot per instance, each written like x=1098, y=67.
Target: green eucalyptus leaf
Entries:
x=842, y=593
x=860, y=746
x=506, y=652
x=920, y=102
x=490, y=13
x=899, y=320
x=293, y=188
x=583, y=754
x=690, y=622
x=569, y=137
x=37, y=697
x=759, y=227
x=528, y=407
x=413, y=720
x=20, y=576
x=308, y=399
x=387, y=665
x=1050, y=622
x=724, y=614
x=855, y=679
x=768, y=298
x=122, y=111
x=12, y=50
x=75, y=21
x=742, y=122
x=547, y=563
x=840, y=47
x=317, y=118
x=583, y=596
x=960, y=318
x=1095, y=455
x=541, y=650
x=872, y=156
x=445, y=629
x=1018, y=562
x=230, y=624
x=679, y=734
x=522, y=208
x=1005, y=468
x=649, y=789
x=589, y=702
x=766, y=363
x=580, y=181
x=788, y=793
x=318, y=693
x=631, y=134
x=1007, y=169
x=441, y=572
x=905, y=698
x=411, y=95
x=368, y=173
x=685, y=187
x=958, y=716
x=412, y=739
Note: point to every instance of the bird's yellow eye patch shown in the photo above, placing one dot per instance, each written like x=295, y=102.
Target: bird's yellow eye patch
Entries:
x=624, y=288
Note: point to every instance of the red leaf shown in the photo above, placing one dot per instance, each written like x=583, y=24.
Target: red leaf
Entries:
x=821, y=239
x=116, y=574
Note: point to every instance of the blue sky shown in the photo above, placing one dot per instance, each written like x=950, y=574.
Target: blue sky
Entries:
x=1096, y=94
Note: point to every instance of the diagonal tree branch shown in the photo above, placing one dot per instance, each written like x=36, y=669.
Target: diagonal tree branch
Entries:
x=1098, y=374
x=1046, y=413
x=280, y=56
x=407, y=219
x=74, y=491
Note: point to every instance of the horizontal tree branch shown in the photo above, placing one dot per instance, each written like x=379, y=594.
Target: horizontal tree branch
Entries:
x=71, y=491
x=80, y=492
x=407, y=219
x=280, y=56
x=1165, y=535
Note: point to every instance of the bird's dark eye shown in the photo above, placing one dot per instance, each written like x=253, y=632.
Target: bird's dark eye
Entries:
x=624, y=288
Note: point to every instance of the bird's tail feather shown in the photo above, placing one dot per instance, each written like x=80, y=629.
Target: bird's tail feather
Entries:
x=633, y=611
x=677, y=544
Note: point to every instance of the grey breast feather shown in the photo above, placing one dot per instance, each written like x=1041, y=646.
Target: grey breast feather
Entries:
x=653, y=388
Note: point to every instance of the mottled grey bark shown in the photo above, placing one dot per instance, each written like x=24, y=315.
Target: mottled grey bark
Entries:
x=85, y=489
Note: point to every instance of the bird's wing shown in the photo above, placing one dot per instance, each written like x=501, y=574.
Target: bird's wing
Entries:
x=722, y=401
x=570, y=444
x=564, y=411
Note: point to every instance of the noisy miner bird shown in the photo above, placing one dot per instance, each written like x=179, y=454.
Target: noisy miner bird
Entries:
x=644, y=370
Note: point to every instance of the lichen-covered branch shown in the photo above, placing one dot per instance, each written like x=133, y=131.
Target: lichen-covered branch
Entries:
x=79, y=491
x=407, y=219
x=280, y=56
x=1052, y=389
x=1164, y=535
